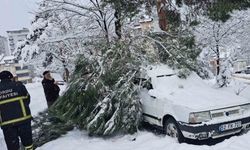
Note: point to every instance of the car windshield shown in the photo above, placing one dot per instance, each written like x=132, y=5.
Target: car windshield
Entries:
x=166, y=81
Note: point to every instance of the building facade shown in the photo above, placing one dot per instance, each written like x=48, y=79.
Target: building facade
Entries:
x=242, y=61
x=16, y=36
x=21, y=72
x=4, y=48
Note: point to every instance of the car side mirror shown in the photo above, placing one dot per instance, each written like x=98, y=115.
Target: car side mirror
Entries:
x=147, y=85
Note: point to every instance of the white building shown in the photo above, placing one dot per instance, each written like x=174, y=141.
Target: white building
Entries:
x=4, y=49
x=242, y=62
x=16, y=36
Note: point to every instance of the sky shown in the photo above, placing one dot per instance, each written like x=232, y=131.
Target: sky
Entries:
x=16, y=14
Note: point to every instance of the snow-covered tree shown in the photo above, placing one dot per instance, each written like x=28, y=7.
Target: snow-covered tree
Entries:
x=61, y=30
x=102, y=97
x=221, y=42
x=85, y=29
x=47, y=127
x=59, y=33
x=123, y=9
x=221, y=10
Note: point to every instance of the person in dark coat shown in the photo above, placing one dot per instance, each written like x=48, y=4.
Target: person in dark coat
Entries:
x=51, y=88
x=15, y=115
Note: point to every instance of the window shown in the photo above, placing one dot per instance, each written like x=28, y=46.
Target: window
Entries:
x=23, y=75
x=247, y=71
x=18, y=68
x=25, y=67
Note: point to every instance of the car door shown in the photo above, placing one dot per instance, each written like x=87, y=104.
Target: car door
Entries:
x=151, y=106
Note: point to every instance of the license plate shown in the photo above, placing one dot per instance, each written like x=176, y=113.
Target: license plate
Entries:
x=230, y=126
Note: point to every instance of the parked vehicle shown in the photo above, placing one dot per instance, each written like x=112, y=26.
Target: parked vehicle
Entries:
x=247, y=67
x=246, y=71
x=189, y=108
x=243, y=72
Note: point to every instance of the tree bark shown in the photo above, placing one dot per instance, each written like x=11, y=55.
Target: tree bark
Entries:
x=217, y=60
x=118, y=25
x=162, y=15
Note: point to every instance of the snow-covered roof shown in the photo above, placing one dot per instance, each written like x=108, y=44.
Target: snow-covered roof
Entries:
x=9, y=58
x=6, y=58
x=18, y=31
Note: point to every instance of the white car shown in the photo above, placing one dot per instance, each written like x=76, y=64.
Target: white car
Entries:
x=190, y=108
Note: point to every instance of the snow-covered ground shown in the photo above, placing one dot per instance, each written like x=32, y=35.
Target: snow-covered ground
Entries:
x=79, y=140
x=76, y=140
x=242, y=77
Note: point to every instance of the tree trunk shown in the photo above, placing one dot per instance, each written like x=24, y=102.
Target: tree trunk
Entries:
x=217, y=60
x=162, y=15
x=148, y=8
x=106, y=32
x=118, y=25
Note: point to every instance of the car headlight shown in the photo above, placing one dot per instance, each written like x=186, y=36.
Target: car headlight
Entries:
x=199, y=117
x=245, y=108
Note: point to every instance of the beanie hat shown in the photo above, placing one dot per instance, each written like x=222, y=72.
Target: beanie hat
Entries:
x=45, y=72
x=5, y=75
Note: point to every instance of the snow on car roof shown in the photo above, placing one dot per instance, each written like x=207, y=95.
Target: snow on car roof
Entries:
x=192, y=92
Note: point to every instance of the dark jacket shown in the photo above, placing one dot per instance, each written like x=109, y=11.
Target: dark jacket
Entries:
x=14, y=103
x=51, y=90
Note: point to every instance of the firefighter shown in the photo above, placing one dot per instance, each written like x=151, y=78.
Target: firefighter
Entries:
x=15, y=115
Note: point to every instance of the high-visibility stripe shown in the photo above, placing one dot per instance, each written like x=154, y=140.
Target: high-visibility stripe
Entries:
x=23, y=108
x=28, y=147
x=25, y=117
x=15, y=120
x=13, y=100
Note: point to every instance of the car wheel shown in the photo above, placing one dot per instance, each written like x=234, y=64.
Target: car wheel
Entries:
x=171, y=129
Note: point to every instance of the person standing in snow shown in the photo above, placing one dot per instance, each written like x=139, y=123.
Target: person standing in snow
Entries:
x=51, y=88
x=15, y=115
